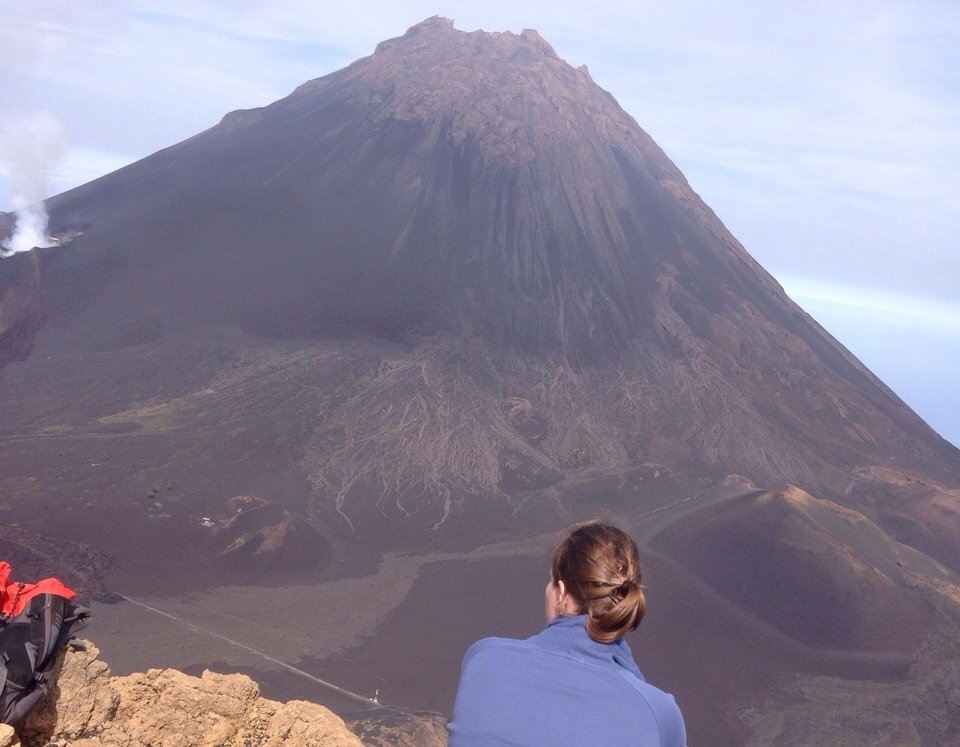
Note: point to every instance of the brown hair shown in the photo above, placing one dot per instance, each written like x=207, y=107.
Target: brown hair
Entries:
x=600, y=567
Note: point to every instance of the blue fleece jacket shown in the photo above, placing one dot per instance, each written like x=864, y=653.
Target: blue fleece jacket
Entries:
x=558, y=688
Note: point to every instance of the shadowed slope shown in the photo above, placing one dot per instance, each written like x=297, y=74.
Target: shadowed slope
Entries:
x=21, y=311
x=823, y=574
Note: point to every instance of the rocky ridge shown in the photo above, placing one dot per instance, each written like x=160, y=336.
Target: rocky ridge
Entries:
x=87, y=707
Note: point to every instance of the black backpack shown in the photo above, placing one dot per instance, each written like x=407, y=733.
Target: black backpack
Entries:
x=29, y=644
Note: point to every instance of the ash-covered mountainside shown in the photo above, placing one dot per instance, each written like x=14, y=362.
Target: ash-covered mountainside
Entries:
x=467, y=182
x=448, y=287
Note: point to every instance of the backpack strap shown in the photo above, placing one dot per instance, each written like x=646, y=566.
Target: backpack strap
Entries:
x=46, y=624
x=3, y=670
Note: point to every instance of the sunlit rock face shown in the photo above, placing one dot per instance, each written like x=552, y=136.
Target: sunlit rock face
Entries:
x=87, y=706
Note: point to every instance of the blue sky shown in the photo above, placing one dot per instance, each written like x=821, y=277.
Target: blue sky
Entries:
x=826, y=135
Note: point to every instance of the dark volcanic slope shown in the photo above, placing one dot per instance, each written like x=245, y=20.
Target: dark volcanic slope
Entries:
x=558, y=296
x=820, y=573
x=21, y=312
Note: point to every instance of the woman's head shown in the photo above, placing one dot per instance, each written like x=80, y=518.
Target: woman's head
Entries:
x=595, y=571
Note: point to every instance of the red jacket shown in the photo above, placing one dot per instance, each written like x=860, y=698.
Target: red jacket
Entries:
x=14, y=596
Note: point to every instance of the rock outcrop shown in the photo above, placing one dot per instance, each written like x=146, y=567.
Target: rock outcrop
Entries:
x=87, y=707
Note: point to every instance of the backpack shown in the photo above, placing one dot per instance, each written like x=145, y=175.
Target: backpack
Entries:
x=36, y=623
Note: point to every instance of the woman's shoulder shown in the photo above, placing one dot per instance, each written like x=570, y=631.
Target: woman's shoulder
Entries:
x=666, y=713
x=493, y=647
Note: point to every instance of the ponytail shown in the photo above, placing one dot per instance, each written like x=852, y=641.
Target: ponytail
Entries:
x=600, y=566
x=612, y=617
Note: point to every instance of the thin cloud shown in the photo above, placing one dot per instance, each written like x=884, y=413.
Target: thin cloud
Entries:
x=894, y=305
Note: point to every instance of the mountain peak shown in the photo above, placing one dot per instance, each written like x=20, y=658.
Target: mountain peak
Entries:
x=536, y=175
x=436, y=71
x=439, y=26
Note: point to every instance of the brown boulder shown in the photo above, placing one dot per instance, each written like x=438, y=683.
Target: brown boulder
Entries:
x=90, y=708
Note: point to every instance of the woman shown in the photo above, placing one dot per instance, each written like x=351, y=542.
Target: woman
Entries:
x=575, y=683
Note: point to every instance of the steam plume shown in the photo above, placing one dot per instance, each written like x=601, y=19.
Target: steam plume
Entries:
x=31, y=146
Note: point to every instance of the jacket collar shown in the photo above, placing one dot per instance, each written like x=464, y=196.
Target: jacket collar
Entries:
x=567, y=635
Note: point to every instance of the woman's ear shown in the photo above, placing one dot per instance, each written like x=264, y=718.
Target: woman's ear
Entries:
x=565, y=603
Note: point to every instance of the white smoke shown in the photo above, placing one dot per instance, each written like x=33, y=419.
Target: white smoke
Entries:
x=30, y=147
